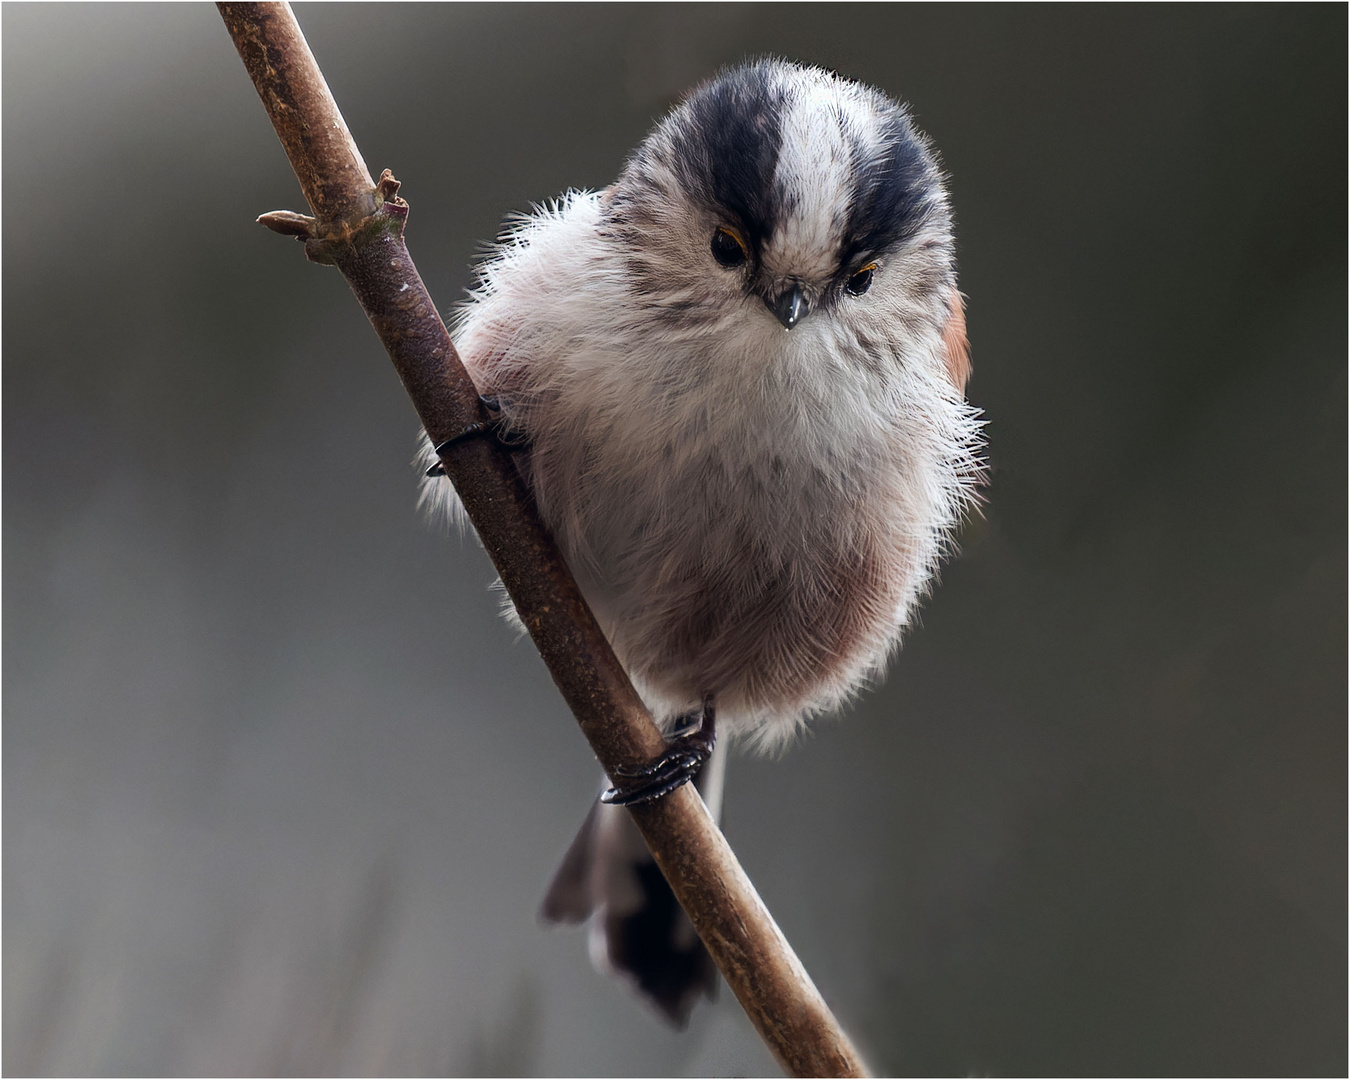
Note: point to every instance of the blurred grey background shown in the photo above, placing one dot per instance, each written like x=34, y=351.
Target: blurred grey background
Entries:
x=281, y=792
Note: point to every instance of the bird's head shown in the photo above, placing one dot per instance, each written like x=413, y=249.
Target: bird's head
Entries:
x=777, y=196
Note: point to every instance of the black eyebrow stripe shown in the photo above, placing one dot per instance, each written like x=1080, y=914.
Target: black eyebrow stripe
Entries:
x=727, y=146
x=896, y=189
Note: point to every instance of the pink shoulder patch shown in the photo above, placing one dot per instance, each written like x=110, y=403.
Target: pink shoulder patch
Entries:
x=956, y=344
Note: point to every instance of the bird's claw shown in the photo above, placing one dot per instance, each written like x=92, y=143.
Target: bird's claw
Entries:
x=494, y=427
x=684, y=757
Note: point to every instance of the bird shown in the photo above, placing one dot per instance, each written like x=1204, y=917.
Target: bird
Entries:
x=734, y=381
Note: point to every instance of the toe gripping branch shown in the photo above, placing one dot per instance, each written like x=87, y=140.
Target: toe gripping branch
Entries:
x=494, y=428
x=684, y=757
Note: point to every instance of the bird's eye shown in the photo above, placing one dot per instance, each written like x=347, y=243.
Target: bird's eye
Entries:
x=728, y=249
x=860, y=282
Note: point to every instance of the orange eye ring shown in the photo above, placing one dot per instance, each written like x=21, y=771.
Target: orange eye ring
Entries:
x=728, y=248
x=861, y=281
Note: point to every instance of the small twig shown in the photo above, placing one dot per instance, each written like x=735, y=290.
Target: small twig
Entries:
x=358, y=227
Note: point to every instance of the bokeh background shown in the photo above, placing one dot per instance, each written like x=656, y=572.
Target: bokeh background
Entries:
x=281, y=792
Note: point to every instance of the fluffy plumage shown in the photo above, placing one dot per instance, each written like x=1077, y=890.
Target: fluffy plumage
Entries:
x=751, y=511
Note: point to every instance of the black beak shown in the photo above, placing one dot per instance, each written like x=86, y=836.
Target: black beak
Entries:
x=789, y=307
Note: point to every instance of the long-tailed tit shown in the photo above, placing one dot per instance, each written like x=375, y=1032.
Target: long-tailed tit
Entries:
x=734, y=381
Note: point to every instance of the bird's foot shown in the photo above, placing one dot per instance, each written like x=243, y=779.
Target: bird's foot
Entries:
x=494, y=428
x=683, y=758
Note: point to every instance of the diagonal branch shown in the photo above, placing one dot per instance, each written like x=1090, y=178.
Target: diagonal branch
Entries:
x=358, y=227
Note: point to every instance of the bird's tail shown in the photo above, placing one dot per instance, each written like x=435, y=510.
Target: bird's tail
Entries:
x=638, y=932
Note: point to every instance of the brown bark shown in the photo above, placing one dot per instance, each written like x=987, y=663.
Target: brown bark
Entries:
x=358, y=227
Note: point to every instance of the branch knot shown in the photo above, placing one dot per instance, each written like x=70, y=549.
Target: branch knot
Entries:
x=325, y=241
